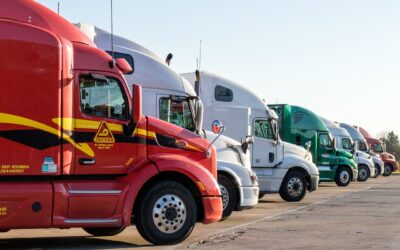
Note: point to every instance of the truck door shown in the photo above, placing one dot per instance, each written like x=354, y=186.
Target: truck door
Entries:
x=101, y=111
x=265, y=152
x=326, y=157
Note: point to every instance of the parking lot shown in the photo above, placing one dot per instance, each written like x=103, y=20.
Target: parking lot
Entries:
x=360, y=216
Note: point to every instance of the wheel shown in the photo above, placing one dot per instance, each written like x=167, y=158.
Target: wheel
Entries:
x=228, y=196
x=166, y=214
x=103, y=231
x=293, y=187
x=363, y=173
x=387, y=170
x=343, y=177
x=377, y=170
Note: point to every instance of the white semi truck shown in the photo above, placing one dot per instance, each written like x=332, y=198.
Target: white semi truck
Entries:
x=366, y=167
x=363, y=148
x=166, y=95
x=281, y=167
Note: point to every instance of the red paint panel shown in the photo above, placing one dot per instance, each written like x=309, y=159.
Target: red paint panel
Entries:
x=17, y=200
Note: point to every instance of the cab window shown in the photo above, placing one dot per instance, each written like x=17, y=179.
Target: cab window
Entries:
x=346, y=143
x=263, y=129
x=177, y=112
x=325, y=141
x=102, y=96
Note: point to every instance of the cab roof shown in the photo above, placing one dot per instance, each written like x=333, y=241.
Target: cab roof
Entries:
x=33, y=13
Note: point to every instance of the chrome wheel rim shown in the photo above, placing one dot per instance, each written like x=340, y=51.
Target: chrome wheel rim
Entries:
x=295, y=187
x=225, y=196
x=169, y=213
x=344, y=176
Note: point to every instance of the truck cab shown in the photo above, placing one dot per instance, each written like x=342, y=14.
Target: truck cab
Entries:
x=366, y=167
x=304, y=128
x=77, y=150
x=169, y=97
x=362, y=146
x=377, y=149
x=281, y=167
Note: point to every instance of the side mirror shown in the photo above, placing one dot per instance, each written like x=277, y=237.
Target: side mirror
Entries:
x=199, y=116
x=123, y=66
x=246, y=142
x=136, y=111
x=217, y=127
x=308, y=145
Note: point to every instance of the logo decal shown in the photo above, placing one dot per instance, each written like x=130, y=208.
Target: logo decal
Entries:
x=104, y=138
x=104, y=134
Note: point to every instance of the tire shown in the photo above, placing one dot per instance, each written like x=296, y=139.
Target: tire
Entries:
x=377, y=170
x=388, y=170
x=103, y=231
x=293, y=187
x=228, y=196
x=343, y=177
x=363, y=173
x=173, y=200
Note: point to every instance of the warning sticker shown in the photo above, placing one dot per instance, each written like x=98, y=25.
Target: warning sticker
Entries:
x=104, y=138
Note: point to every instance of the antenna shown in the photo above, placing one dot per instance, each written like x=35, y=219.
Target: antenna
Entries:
x=112, y=63
x=199, y=60
x=58, y=7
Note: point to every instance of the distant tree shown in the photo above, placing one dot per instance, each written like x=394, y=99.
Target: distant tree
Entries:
x=392, y=144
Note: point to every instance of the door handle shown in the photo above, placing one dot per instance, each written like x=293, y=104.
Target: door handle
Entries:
x=87, y=161
x=271, y=157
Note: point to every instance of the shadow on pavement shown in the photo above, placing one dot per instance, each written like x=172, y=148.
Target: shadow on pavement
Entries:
x=64, y=243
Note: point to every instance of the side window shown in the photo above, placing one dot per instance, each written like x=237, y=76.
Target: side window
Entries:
x=325, y=141
x=127, y=57
x=102, y=97
x=223, y=94
x=177, y=112
x=346, y=143
x=262, y=129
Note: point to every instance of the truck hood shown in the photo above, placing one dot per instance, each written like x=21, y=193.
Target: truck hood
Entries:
x=344, y=153
x=290, y=148
x=229, y=150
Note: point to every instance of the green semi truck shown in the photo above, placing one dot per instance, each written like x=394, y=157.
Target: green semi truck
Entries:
x=302, y=127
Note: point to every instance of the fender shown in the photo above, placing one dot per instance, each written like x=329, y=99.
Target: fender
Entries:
x=348, y=162
x=203, y=179
x=292, y=160
x=368, y=162
x=135, y=181
x=238, y=172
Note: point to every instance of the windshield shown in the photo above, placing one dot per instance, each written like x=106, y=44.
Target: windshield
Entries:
x=177, y=111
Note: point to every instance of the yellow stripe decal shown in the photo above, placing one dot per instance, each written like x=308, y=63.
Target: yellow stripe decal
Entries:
x=18, y=120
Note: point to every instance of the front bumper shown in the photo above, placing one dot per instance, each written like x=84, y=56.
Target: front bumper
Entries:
x=355, y=174
x=212, y=209
x=314, y=180
x=250, y=197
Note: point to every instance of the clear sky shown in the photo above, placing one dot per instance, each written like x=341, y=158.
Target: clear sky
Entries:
x=339, y=58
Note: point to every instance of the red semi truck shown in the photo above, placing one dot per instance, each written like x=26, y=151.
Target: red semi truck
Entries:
x=376, y=146
x=75, y=149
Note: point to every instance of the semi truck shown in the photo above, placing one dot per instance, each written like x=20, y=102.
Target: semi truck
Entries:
x=77, y=150
x=377, y=148
x=304, y=128
x=362, y=146
x=169, y=97
x=281, y=167
x=366, y=167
